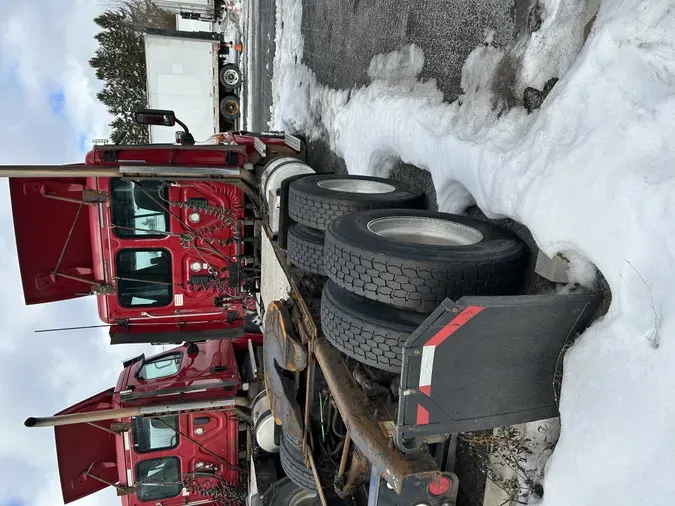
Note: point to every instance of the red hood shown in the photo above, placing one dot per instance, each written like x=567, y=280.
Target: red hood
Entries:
x=40, y=238
x=81, y=447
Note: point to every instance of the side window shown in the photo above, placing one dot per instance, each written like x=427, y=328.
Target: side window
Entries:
x=152, y=434
x=144, y=278
x=161, y=367
x=158, y=479
x=139, y=209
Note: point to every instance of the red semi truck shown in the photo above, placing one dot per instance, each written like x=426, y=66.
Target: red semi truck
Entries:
x=387, y=328
x=172, y=431
x=168, y=259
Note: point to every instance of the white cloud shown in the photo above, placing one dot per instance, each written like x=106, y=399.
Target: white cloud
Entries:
x=48, y=44
x=44, y=48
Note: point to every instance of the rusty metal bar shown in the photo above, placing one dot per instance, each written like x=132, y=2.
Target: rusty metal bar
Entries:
x=101, y=427
x=312, y=464
x=308, y=397
x=345, y=454
x=70, y=234
x=78, y=278
x=365, y=432
x=66, y=199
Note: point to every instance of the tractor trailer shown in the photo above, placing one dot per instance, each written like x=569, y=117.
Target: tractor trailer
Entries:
x=195, y=74
x=379, y=329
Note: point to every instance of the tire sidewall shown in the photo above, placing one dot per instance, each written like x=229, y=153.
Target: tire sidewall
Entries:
x=372, y=312
x=284, y=492
x=225, y=68
x=309, y=186
x=353, y=229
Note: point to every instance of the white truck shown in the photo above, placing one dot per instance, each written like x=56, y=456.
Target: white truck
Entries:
x=206, y=10
x=196, y=75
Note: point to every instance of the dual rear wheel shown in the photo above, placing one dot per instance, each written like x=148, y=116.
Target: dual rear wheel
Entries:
x=389, y=263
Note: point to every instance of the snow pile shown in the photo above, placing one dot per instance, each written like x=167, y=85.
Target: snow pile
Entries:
x=299, y=102
x=590, y=174
x=397, y=65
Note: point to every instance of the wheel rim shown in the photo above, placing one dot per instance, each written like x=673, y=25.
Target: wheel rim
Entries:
x=302, y=498
x=425, y=230
x=356, y=186
x=231, y=107
x=231, y=77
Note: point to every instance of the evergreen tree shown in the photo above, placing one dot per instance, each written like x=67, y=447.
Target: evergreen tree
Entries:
x=119, y=61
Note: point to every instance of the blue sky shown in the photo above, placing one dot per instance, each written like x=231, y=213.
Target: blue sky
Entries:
x=50, y=115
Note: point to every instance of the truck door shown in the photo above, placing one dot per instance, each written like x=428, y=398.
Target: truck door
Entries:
x=172, y=250
x=155, y=464
x=176, y=456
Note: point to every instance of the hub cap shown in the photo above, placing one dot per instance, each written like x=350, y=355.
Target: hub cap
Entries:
x=232, y=107
x=424, y=230
x=231, y=77
x=356, y=186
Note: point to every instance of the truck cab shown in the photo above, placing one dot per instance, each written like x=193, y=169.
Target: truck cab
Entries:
x=165, y=256
x=172, y=436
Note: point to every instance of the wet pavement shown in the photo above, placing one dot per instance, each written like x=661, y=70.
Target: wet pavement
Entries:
x=260, y=47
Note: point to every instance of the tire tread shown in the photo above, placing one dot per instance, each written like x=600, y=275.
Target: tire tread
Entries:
x=305, y=248
x=292, y=463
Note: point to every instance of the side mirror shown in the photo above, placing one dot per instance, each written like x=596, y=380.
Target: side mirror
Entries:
x=184, y=138
x=192, y=350
x=155, y=117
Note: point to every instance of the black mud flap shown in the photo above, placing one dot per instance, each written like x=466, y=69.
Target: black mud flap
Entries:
x=485, y=362
x=283, y=351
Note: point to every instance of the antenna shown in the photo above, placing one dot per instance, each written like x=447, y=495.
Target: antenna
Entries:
x=84, y=327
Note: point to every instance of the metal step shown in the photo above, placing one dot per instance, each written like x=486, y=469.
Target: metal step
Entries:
x=293, y=142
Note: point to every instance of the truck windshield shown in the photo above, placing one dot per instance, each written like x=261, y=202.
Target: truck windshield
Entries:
x=144, y=278
x=152, y=434
x=158, y=478
x=161, y=367
x=139, y=209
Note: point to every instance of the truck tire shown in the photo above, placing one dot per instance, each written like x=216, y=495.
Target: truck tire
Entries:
x=292, y=441
x=229, y=107
x=230, y=76
x=305, y=248
x=415, y=259
x=315, y=201
x=370, y=332
x=287, y=493
x=293, y=465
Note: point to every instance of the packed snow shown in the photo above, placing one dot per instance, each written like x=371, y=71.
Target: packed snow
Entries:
x=590, y=174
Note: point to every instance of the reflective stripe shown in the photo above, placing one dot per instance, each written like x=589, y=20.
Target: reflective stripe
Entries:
x=427, y=366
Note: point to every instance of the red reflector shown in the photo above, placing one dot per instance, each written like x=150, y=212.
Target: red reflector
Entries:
x=440, y=486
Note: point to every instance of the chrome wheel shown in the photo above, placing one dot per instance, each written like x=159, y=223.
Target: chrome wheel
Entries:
x=424, y=230
x=356, y=186
x=302, y=498
x=231, y=77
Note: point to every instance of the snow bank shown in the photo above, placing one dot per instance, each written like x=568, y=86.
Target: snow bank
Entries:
x=590, y=174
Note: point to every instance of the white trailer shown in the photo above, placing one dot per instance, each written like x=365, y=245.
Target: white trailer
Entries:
x=205, y=10
x=189, y=74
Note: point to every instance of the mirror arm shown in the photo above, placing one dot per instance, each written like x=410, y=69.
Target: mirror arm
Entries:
x=183, y=125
